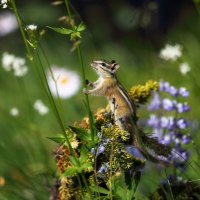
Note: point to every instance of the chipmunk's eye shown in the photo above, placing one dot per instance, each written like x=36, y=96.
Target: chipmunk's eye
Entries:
x=112, y=68
x=103, y=64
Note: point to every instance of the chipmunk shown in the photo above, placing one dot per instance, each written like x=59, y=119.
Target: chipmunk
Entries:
x=122, y=106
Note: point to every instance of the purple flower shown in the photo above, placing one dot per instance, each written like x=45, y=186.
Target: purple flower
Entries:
x=99, y=135
x=172, y=90
x=164, y=121
x=93, y=151
x=158, y=132
x=164, y=86
x=155, y=103
x=166, y=139
x=186, y=139
x=153, y=121
x=100, y=149
x=183, y=92
x=170, y=129
x=106, y=140
x=184, y=155
x=171, y=122
x=181, y=123
x=167, y=104
x=103, y=168
x=182, y=107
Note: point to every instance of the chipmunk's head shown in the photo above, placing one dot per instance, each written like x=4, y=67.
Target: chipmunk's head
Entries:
x=105, y=68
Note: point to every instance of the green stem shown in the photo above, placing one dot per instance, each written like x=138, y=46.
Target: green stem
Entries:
x=110, y=180
x=68, y=9
x=95, y=173
x=92, y=129
x=197, y=5
x=86, y=95
x=53, y=78
x=21, y=29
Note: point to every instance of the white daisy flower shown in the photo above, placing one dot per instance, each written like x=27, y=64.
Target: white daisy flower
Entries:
x=184, y=68
x=16, y=64
x=66, y=82
x=14, y=112
x=31, y=27
x=4, y=3
x=8, y=23
x=171, y=52
x=41, y=107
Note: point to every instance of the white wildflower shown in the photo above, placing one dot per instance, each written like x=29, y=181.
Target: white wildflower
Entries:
x=16, y=64
x=7, y=61
x=19, y=67
x=184, y=68
x=171, y=52
x=31, y=27
x=66, y=82
x=21, y=71
x=41, y=107
x=4, y=3
x=14, y=112
x=8, y=23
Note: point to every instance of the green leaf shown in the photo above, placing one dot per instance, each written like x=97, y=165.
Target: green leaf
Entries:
x=124, y=186
x=99, y=189
x=73, y=160
x=86, y=166
x=82, y=133
x=83, y=154
x=64, y=31
x=70, y=171
x=59, y=139
x=81, y=27
x=74, y=35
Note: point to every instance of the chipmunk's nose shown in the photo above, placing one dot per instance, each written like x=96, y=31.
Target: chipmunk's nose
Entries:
x=94, y=63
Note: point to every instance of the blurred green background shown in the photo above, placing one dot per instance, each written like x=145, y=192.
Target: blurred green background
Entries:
x=130, y=32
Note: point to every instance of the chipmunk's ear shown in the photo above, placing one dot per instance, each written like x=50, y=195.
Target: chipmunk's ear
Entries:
x=114, y=67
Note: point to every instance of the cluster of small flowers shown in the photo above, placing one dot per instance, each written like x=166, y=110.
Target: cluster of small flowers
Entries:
x=172, y=53
x=100, y=150
x=16, y=64
x=103, y=169
x=170, y=129
x=4, y=3
x=31, y=27
x=40, y=107
x=102, y=146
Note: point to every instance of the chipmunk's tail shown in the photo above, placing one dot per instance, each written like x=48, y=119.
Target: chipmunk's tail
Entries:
x=150, y=148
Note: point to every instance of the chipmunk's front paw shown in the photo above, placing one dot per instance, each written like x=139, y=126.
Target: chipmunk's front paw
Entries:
x=85, y=91
x=87, y=82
